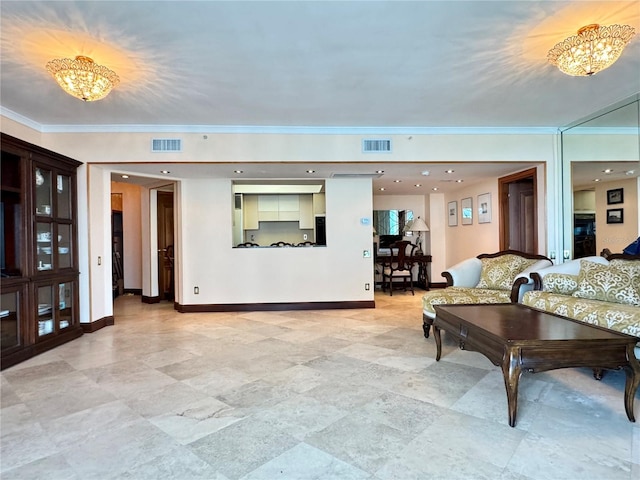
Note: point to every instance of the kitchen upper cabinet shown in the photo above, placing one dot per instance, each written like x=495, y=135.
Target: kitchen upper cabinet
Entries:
x=250, y=212
x=306, y=212
x=282, y=208
x=319, y=204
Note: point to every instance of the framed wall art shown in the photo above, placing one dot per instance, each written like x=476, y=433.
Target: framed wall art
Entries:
x=615, y=215
x=484, y=208
x=615, y=196
x=466, y=208
x=452, y=213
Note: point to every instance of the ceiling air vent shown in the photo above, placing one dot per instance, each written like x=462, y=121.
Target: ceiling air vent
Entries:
x=166, y=145
x=376, y=146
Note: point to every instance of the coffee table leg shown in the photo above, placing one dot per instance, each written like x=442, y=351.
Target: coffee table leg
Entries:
x=436, y=336
x=511, y=371
x=633, y=380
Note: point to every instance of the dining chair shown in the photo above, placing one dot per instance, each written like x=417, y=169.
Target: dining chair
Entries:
x=399, y=266
x=281, y=244
x=306, y=243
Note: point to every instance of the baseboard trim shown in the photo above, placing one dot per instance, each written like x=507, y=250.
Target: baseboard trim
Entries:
x=146, y=299
x=260, y=307
x=98, y=324
x=438, y=285
x=133, y=291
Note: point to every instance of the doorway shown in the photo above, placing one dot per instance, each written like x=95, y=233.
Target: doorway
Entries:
x=518, y=212
x=166, y=283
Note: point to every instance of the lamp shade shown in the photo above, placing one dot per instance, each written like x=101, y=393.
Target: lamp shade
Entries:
x=418, y=225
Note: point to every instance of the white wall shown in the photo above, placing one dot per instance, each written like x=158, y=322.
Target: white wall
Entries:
x=465, y=241
x=100, y=268
x=226, y=275
x=92, y=147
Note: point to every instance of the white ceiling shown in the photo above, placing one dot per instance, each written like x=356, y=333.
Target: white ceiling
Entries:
x=380, y=66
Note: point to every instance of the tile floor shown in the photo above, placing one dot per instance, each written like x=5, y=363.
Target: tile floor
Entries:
x=332, y=394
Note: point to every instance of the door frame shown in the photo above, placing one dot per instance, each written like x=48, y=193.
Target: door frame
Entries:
x=503, y=204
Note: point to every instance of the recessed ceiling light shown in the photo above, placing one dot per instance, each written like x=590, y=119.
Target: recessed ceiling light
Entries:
x=629, y=172
x=608, y=170
x=459, y=181
x=237, y=171
x=379, y=171
x=311, y=171
x=418, y=185
x=449, y=171
x=125, y=176
x=397, y=181
x=164, y=171
x=435, y=189
x=382, y=189
x=596, y=179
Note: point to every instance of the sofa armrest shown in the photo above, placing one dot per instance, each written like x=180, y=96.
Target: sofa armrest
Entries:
x=524, y=282
x=464, y=274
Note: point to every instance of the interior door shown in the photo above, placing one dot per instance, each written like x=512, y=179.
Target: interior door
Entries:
x=518, y=212
x=165, y=245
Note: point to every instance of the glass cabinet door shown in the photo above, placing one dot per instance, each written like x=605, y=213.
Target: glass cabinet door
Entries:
x=42, y=179
x=65, y=305
x=64, y=246
x=9, y=319
x=44, y=246
x=45, y=310
x=63, y=196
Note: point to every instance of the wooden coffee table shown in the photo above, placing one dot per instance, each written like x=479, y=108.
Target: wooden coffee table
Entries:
x=515, y=337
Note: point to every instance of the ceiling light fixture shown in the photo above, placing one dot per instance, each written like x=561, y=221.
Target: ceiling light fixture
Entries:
x=449, y=171
x=125, y=176
x=237, y=171
x=83, y=78
x=311, y=171
x=594, y=48
x=165, y=172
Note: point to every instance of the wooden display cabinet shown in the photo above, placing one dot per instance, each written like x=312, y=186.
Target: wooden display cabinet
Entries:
x=38, y=251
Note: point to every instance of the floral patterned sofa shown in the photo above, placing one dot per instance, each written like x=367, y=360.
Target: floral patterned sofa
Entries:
x=501, y=277
x=596, y=290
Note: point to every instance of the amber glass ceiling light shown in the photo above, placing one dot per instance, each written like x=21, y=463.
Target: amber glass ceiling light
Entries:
x=594, y=48
x=83, y=78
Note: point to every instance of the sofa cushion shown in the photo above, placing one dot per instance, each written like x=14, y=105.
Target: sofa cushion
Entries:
x=615, y=316
x=616, y=283
x=462, y=295
x=499, y=273
x=563, y=283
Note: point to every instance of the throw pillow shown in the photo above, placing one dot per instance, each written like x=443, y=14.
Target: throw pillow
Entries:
x=562, y=283
x=499, y=273
x=608, y=283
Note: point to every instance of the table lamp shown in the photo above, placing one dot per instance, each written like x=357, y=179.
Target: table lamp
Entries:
x=418, y=225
